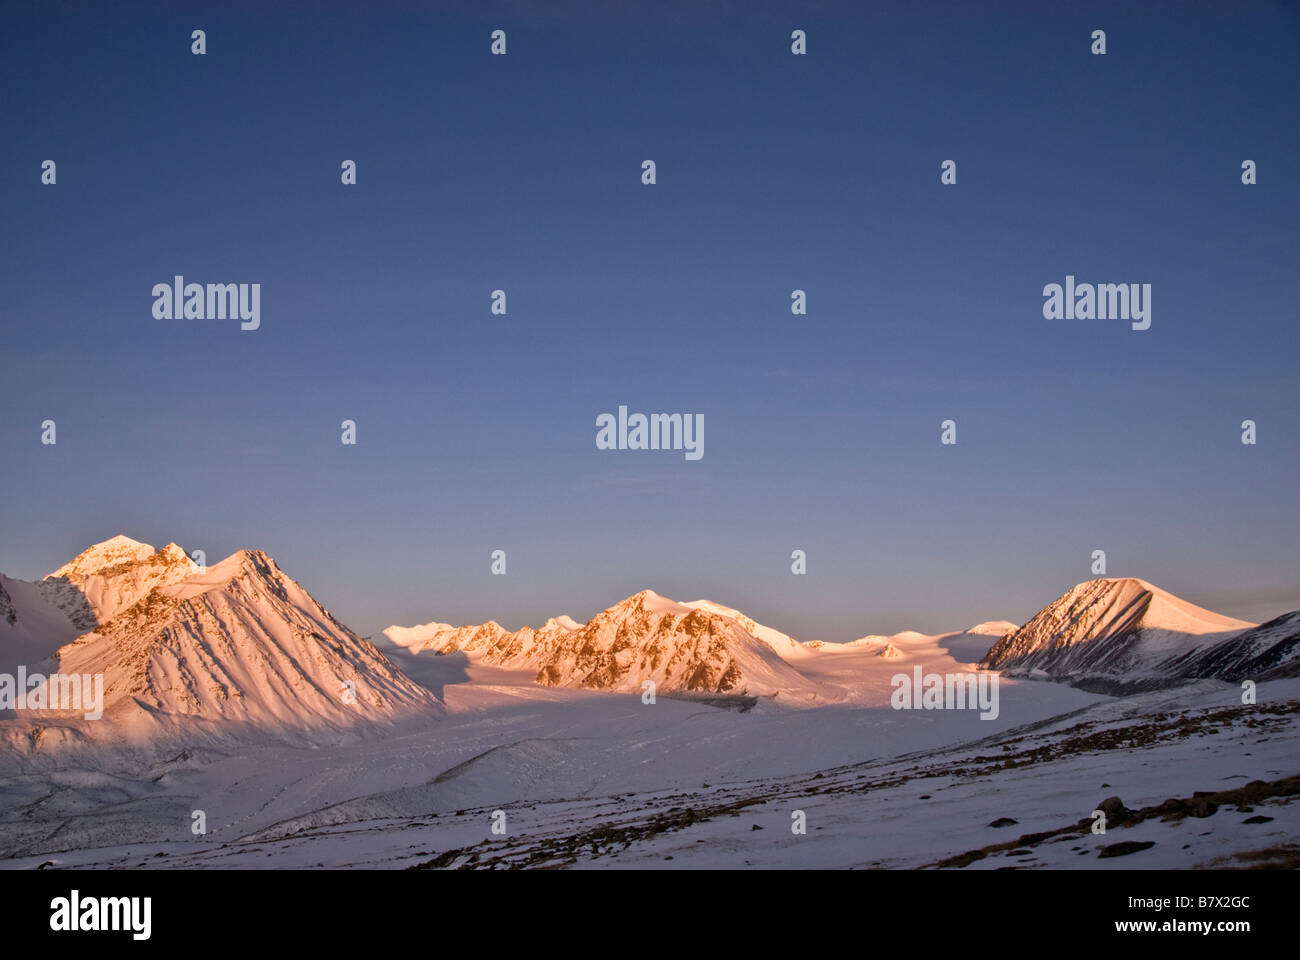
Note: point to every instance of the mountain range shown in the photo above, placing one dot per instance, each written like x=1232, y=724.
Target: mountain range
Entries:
x=242, y=643
x=699, y=647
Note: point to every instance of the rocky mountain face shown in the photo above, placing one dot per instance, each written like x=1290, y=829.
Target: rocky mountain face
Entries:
x=698, y=648
x=1125, y=635
x=236, y=642
x=1270, y=651
x=111, y=576
x=240, y=641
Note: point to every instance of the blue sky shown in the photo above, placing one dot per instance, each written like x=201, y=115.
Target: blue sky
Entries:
x=775, y=172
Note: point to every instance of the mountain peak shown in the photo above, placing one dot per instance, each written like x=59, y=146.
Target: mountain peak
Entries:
x=108, y=553
x=1110, y=627
x=174, y=553
x=241, y=563
x=1117, y=583
x=652, y=602
x=239, y=640
x=992, y=628
x=562, y=622
x=111, y=576
x=120, y=540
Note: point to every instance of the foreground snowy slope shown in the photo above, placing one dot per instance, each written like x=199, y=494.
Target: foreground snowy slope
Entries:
x=1190, y=778
x=504, y=740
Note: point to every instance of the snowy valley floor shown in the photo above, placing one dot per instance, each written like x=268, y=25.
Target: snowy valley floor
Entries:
x=588, y=779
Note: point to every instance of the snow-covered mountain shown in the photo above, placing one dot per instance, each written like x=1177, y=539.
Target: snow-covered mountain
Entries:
x=31, y=629
x=698, y=647
x=1122, y=630
x=107, y=578
x=523, y=648
x=236, y=642
x=971, y=644
x=240, y=641
x=782, y=643
x=1270, y=651
x=678, y=646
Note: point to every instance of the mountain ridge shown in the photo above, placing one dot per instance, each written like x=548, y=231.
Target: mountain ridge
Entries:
x=1121, y=635
x=240, y=640
x=239, y=644
x=699, y=647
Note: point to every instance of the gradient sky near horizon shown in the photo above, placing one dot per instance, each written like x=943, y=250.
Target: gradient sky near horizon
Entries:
x=775, y=172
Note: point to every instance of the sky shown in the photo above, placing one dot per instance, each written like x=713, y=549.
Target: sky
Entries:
x=774, y=172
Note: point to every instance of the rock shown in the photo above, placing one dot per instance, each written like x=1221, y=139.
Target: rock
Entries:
x=1003, y=822
x=1029, y=839
x=1124, y=848
x=1114, y=809
x=1203, y=808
